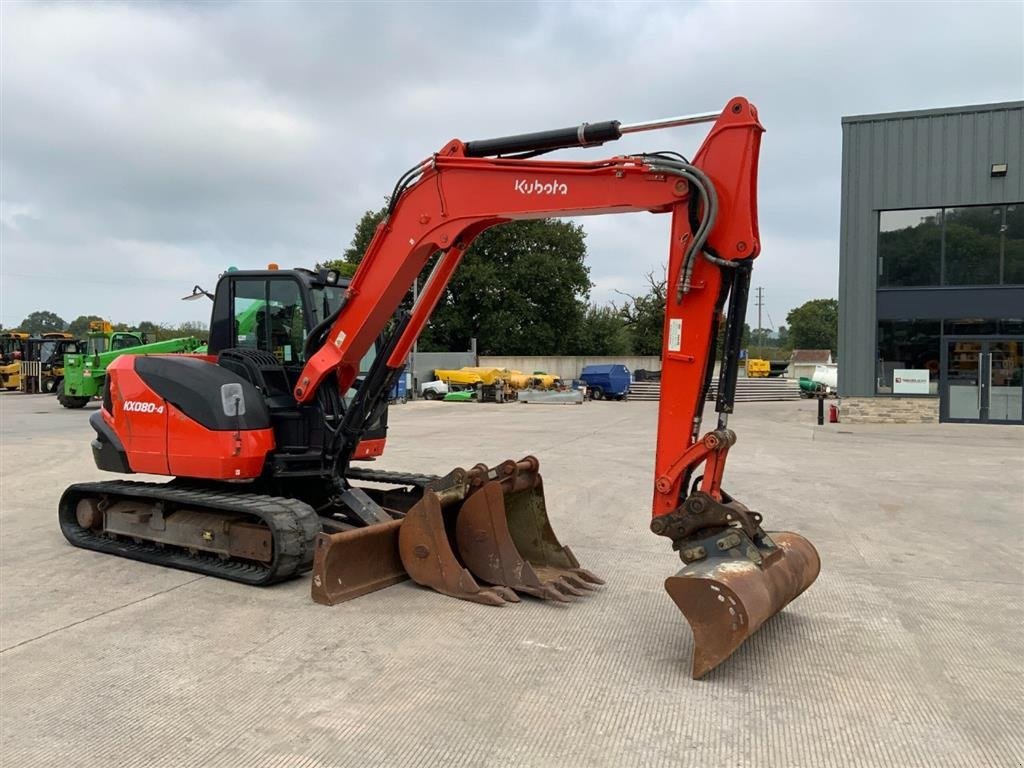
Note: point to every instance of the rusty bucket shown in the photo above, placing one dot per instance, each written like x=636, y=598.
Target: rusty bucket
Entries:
x=504, y=535
x=427, y=554
x=353, y=563
x=726, y=598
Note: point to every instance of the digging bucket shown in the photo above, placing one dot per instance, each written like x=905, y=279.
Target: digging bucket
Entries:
x=727, y=597
x=424, y=542
x=504, y=536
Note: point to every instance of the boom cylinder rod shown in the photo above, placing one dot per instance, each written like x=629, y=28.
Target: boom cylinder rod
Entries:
x=669, y=122
x=585, y=135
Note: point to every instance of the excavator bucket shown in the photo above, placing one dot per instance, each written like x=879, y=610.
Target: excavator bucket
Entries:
x=727, y=597
x=427, y=554
x=505, y=537
x=484, y=535
x=356, y=562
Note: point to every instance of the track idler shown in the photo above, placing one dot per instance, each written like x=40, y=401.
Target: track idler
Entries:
x=491, y=525
x=737, y=576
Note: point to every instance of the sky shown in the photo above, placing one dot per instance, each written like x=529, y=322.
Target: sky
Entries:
x=146, y=147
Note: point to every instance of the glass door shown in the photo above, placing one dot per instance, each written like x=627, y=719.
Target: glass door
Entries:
x=1006, y=380
x=963, y=380
x=984, y=380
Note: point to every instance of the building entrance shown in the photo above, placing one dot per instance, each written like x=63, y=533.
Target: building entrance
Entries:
x=982, y=380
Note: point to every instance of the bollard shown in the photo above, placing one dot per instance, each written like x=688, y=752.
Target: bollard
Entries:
x=821, y=410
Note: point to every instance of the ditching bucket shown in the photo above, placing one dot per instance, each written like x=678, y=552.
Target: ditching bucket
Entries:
x=505, y=537
x=727, y=597
x=353, y=563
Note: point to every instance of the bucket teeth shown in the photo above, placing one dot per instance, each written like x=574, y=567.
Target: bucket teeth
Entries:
x=586, y=576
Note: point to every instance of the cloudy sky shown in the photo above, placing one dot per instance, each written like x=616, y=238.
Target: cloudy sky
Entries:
x=147, y=146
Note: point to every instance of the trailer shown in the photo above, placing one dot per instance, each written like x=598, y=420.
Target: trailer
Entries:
x=606, y=380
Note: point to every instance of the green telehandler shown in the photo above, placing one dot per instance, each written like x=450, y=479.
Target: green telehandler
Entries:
x=84, y=374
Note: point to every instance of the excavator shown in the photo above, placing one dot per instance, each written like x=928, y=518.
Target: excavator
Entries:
x=263, y=436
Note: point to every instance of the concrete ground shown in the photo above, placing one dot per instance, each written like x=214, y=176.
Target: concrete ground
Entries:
x=908, y=651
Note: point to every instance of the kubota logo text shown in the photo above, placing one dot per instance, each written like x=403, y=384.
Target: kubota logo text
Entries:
x=535, y=187
x=139, y=406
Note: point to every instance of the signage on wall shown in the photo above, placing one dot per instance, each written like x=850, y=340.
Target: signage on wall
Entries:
x=910, y=381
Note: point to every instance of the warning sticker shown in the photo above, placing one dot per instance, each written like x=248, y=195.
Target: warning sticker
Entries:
x=675, y=334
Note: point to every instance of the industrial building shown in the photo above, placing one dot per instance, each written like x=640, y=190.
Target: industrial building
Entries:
x=931, y=276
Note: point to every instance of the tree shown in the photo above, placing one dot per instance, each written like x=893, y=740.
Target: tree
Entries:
x=815, y=325
x=644, y=316
x=520, y=288
x=351, y=256
x=602, y=332
x=365, y=230
x=79, y=327
x=43, y=322
x=785, y=342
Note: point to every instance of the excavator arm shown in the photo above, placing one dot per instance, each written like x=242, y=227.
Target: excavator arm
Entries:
x=736, y=575
x=456, y=196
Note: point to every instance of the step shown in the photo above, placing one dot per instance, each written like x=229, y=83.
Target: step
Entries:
x=747, y=390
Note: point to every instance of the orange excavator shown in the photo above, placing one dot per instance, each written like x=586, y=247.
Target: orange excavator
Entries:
x=262, y=434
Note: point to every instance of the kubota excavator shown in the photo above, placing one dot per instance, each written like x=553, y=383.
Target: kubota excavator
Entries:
x=260, y=435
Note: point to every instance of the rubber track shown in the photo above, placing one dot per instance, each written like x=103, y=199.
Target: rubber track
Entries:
x=394, y=478
x=293, y=523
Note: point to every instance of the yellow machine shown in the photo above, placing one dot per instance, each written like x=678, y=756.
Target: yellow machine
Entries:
x=40, y=364
x=12, y=349
x=470, y=376
x=758, y=369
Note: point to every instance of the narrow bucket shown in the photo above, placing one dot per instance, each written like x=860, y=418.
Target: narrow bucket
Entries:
x=726, y=599
x=427, y=553
x=504, y=535
x=354, y=563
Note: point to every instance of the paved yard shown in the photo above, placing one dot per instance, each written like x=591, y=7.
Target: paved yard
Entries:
x=908, y=651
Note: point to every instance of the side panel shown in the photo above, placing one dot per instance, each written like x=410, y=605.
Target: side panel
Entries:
x=194, y=451
x=159, y=439
x=139, y=419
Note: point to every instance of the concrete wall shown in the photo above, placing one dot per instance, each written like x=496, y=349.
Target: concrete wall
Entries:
x=566, y=366
x=922, y=159
x=426, y=362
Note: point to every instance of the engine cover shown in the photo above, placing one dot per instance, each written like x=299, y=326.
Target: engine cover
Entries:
x=171, y=415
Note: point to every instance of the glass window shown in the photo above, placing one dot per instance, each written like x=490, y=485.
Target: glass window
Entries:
x=972, y=240
x=124, y=341
x=971, y=327
x=96, y=345
x=1012, y=327
x=269, y=316
x=1013, y=245
x=250, y=313
x=910, y=247
x=326, y=301
x=905, y=344
x=287, y=322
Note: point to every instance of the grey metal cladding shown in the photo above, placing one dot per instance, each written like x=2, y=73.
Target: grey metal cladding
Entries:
x=919, y=159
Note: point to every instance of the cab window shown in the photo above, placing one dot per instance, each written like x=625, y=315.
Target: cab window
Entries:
x=269, y=316
x=124, y=341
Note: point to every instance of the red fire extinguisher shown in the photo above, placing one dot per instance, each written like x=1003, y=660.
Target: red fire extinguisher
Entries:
x=833, y=413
